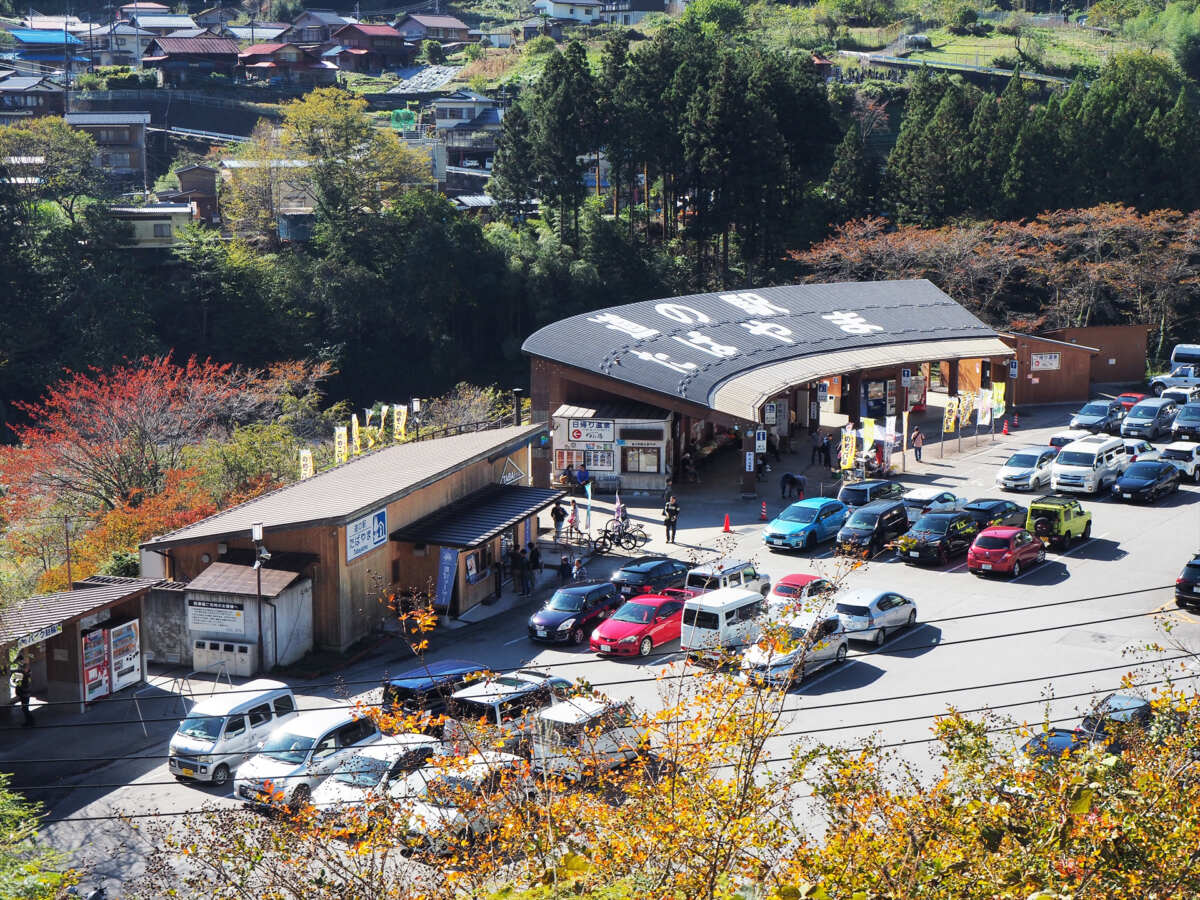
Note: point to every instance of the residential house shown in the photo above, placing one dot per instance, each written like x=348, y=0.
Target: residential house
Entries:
x=629, y=12
x=385, y=46
x=145, y=7
x=503, y=38
x=120, y=141
x=258, y=32
x=536, y=26
x=470, y=124
x=155, y=225
x=289, y=63
x=417, y=27
x=51, y=23
x=315, y=26
x=216, y=15
x=162, y=24
x=572, y=10
x=208, y=31
x=119, y=44
x=27, y=96
x=180, y=60
x=46, y=51
x=291, y=189
x=197, y=189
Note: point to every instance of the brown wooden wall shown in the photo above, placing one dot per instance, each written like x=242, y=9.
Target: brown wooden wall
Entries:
x=1122, y=356
x=1071, y=383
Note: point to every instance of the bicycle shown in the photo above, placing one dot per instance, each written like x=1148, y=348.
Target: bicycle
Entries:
x=629, y=535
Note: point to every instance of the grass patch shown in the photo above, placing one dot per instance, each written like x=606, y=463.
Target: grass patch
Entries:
x=1059, y=48
x=357, y=83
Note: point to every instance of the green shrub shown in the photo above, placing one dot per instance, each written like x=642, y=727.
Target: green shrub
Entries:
x=433, y=53
x=89, y=82
x=543, y=43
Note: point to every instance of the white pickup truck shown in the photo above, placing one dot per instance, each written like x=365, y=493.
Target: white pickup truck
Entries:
x=1180, y=376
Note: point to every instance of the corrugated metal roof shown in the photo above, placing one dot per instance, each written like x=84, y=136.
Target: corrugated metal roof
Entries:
x=36, y=613
x=626, y=410
x=743, y=394
x=356, y=487
x=195, y=46
x=434, y=21
x=479, y=517
x=159, y=20
x=687, y=347
x=107, y=118
x=37, y=36
x=27, y=82
x=258, y=32
x=373, y=30
x=228, y=578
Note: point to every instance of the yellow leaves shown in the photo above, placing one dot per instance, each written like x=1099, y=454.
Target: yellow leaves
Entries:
x=1081, y=803
x=806, y=891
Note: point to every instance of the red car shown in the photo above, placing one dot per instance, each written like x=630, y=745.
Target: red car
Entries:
x=640, y=625
x=792, y=589
x=1130, y=400
x=1004, y=548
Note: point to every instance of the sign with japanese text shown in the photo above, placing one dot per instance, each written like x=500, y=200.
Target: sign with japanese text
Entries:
x=966, y=404
x=306, y=464
x=760, y=441
x=341, y=444
x=447, y=575
x=366, y=534
x=600, y=431
x=849, y=446
x=399, y=422
x=985, y=406
x=38, y=636
x=950, y=418
x=216, y=617
x=1044, y=362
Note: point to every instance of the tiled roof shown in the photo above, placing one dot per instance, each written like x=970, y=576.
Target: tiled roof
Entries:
x=373, y=30
x=157, y=21
x=32, y=615
x=209, y=46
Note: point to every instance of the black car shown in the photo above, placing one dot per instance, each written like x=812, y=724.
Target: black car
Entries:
x=863, y=492
x=937, y=537
x=1051, y=744
x=1186, y=426
x=988, y=511
x=871, y=527
x=573, y=611
x=1187, y=585
x=425, y=689
x=1147, y=480
x=1100, y=415
x=649, y=575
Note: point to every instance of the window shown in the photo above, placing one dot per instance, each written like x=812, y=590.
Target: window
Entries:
x=260, y=714
x=564, y=458
x=640, y=434
x=284, y=705
x=709, y=621
x=236, y=725
x=351, y=734
x=162, y=229
x=636, y=460
x=733, y=579
x=747, y=613
x=831, y=626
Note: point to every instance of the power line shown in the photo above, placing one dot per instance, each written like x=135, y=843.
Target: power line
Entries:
x=419, y=667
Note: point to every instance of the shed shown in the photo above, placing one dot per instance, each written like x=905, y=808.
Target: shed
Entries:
x=1049, y=371
x=1122, y=350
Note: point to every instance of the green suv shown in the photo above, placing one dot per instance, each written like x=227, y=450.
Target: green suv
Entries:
x=1057, y=521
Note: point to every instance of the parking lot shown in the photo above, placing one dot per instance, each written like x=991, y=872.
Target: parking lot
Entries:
x=1041, y=645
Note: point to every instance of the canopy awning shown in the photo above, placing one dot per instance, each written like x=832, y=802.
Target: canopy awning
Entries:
x=479, y=517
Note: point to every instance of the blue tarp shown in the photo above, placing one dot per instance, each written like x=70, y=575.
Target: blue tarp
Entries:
x=37, y=36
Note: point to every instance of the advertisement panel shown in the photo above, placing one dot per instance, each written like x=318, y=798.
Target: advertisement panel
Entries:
x=599, y=431
x=1044, y=362
x=125, y=654
x=366, y=534
x=216, y=617
x=950, y=417
x=95, y=665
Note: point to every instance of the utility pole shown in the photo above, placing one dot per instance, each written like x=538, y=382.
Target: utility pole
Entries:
x=67, y=536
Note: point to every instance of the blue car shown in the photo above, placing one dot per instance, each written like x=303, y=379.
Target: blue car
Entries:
x=805, y=524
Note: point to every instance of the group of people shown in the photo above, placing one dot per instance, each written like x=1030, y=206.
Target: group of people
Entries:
x=522, y=563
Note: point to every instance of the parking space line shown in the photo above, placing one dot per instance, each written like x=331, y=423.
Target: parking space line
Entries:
x=514, y=641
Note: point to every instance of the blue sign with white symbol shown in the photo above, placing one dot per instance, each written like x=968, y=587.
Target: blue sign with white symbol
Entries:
x=366, y=534
x=1012, y=368
x=447, y=574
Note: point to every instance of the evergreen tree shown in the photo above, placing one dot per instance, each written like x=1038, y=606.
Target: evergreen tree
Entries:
x=933, y=185
x=853, y=179
x=514, y=179
x=925, y=92
x=1031, y=183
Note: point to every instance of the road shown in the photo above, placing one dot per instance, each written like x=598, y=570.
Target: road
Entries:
x=1042, y=645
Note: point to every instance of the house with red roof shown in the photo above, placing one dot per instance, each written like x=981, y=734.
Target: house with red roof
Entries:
x=183, y=59
x=385, y=47
x=286, y=63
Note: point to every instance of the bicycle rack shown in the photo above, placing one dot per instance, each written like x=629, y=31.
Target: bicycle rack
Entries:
x=181, y=688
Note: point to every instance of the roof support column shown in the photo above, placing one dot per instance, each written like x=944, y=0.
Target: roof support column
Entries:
x=749, y=483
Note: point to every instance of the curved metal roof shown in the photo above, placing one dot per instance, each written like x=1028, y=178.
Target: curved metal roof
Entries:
x=733, y=350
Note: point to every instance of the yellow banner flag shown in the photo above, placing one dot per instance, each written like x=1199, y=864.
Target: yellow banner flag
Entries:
x=950, y=416
x=341, y=444
x=400, y=423
x=966, y=405
x=998, y=395
x=849, y=446
x=868, y=430
x=306, y=464
x=355, y=437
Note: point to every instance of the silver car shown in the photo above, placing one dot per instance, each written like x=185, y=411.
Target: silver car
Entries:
x=873, y=615
x=1027, y=469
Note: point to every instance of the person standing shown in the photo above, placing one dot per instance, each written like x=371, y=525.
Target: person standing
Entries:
x=535, y=557
x=578, y=572
x=564, y=569
x=671, y=517
x=521, y=573
x=827, y=451
x=815, y=437
x=23, y=685
x=558, y=515
x=918, y=441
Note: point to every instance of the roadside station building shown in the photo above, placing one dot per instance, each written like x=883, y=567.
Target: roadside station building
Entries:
x=724, y=365
x=433, y=516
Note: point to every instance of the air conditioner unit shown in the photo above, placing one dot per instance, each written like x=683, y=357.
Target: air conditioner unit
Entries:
x=244, y=660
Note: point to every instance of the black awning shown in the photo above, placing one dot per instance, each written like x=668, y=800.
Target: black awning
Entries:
x=475, y=519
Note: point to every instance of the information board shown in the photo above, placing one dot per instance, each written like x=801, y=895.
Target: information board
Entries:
x=366, y=534
x=216, y=617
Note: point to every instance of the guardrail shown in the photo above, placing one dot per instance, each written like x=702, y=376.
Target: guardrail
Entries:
x=208, y=135
x=958, y=67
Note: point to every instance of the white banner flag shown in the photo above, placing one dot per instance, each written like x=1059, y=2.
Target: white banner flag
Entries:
x=985, y=406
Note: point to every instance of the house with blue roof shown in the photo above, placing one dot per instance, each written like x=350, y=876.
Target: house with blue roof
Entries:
x=48, y=49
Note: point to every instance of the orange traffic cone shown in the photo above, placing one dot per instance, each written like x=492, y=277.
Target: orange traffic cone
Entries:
x=1005, y=431
x=762, y=516
x=727, y=529
x=1016, y=420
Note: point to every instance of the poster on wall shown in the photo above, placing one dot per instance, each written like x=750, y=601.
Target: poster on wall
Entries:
x=447, y=573
x=95, y=665
x=216, y=617
x=125, y=654
x=1044, y=362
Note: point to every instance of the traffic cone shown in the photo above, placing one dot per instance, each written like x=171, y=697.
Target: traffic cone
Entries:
x=1005, y=431
x=727, y=529
x=1016, y=420
x=762, y=516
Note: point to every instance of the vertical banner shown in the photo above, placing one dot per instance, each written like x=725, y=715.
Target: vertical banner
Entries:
x=985, y=406
x=399, y=422
x=306, y=464
x=447, y=575
x=95, y=665
x=587, y=521
x=997, y=400
x=367, y=413
x=341, y=444
x=849, y=445
x=355, y=437
x=868, y=433
x=966, y=405
x=950, y=417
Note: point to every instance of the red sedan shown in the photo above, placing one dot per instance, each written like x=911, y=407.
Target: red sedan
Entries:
x=790, y=590
x=640, y=625
x=1004, y=548
x=1130, y=400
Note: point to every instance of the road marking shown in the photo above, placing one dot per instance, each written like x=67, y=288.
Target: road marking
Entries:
x=954, y=569
x=1170, y=609
x=515, y=641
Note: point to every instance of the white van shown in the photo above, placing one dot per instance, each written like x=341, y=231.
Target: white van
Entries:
x=1088, y=465
x=721, y=620
x=221, y=730
x=584, y=736
x=1185, y=355
x=734, y=573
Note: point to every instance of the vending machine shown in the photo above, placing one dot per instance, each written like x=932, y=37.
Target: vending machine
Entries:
x=125, y=654
x=96, y=682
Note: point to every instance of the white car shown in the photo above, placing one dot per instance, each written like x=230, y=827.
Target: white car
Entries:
x=300, y=754
x=814, y=641
x=1185, y=456
x=1139, y=450
x=1027, y=469
x=873, y=615
x=366, y=775
x=923, y=500
x=582, y=736
x=1060, y=439
x=454, y=800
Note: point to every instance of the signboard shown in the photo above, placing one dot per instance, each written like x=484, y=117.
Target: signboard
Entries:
x=1012, y=368
x=849, y=445
x=95, y=619
x=822, y=392
x=814, y=411
x=966, y=403
x=1044, y=362
x=216, y=617
x=770, y=411
x=596, y=430
x=38, y=636
x=366, y=534
x=95, y=665
x=951, y=415
x=891, y=397
x=749, y=461
x=306, y=464
x=125, y=654
x=760, y=441
x=985, y=406
x=905, y=377
x=512, y=474
x=447, y=573
x=600, y=460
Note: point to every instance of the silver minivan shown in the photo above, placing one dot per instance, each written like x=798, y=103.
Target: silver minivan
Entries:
x=221, y=730
x=1149, y=418
x=732, y=574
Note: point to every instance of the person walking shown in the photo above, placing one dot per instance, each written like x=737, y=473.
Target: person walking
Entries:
x=670, y=515
x=558, y=515
x=573, y=518
x=578, y=572
x=827, y=451
x=23, y=685
x=522, y=573
x=918, y=441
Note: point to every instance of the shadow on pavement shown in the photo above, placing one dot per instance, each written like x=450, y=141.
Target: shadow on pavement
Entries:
x=854, y=673
x=1100, y=550
x=1052, y=571
x=917, y=641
